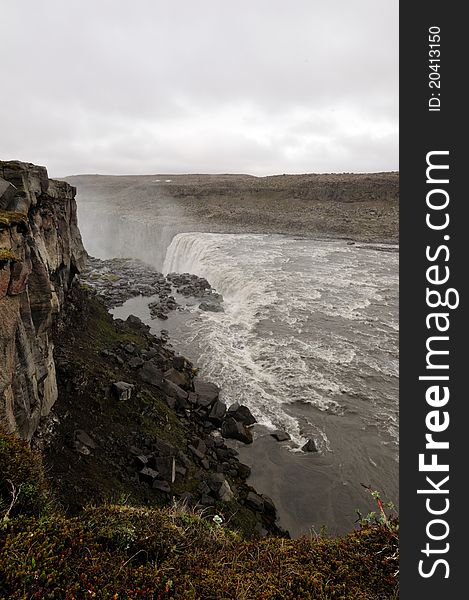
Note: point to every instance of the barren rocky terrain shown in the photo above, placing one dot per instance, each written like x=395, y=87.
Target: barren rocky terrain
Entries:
x=362, y=207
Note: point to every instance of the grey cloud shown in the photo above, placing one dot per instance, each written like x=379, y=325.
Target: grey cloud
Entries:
x=260, y=86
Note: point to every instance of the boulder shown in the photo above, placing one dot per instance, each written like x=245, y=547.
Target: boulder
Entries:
x=162, y=448
x=255, y=501
x=141, y=461
x=178, y=377
x=206, y=392
x=269, y=506
x=122, y=390
x=182, y=471
x=173, y=390
x=243, y=471
x=206, y=500
x=211, y=307
x=199, y=450
x=147, y=475
x=82, y=437
x=166, y=467
x=235, y=430
x=151, y=374
x=220, y=487
x=135, y=363
x=215, y=481
x=136, y=323
x=241, y=413
x=281, y=436
x=310, y=446
x=179, y=363
x=161, y=486
x=218, y=412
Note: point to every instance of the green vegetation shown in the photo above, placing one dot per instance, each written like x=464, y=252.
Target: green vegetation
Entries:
x=11, y=218
x=22, y=484
x=7, y=255
x=120, y=552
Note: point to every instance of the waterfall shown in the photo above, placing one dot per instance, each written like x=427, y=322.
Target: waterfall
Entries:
x=205, y=255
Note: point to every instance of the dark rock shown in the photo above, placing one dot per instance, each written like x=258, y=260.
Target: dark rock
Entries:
x=255, y=501
x=179, y=363
x=205, y=463
x=215, y=481
x=177, y=377
x=269, y=506
x=163, y=448
x=173, y=390
x=148, y=475
x=225, y=453
x=203, y=488
x=183, y=404
x=243, y=471
x=137, y=323
x=122, y=390
x=149, y=354
x=192, y=397
x=261, y=531
x=135, y=362
x=82, y=437
x=199, y=453
x=235, y=430
x=130, y=348
x=161, y=486
x=206, y=392
x=211, y=307
x=151, y=374
x=241, y=413
x=281, y=436
x=220, y=487
x=218, y=412
x=141, y=461
x=207, y=500
x=310, y=446
x=171, y=402
x=184, y=460
x=166, y=467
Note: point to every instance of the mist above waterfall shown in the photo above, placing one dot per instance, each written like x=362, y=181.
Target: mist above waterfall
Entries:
x=109, y=231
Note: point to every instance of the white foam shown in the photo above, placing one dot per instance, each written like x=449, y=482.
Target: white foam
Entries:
x=286, y=334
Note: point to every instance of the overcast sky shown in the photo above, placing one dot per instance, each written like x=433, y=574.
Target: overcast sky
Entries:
x=177, y=86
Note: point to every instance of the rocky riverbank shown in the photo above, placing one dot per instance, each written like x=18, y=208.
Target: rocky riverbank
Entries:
x=118, y=279
x=134, y=419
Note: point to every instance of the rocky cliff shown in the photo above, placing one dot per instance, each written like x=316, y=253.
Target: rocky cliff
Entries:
x=40, y=253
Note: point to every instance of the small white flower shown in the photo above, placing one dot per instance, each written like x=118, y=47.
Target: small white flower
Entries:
x=217, y=519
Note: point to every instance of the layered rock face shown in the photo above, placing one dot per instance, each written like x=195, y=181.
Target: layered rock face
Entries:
x=40, y=253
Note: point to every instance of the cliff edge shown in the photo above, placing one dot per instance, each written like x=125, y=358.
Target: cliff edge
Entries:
x=41, y=251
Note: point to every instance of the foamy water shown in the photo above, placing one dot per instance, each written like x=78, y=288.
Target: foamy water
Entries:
x=306, y=323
